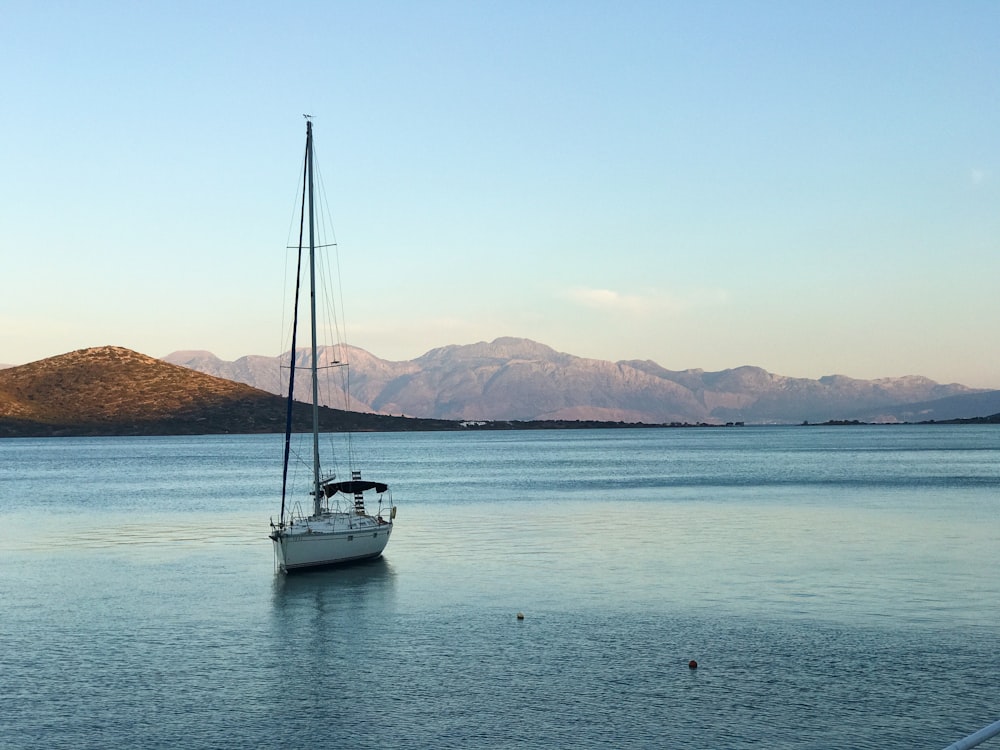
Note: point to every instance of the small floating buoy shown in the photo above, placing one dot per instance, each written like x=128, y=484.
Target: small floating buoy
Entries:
x=692, y=664
x=520, y=615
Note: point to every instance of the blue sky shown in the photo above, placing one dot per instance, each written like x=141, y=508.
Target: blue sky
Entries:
x=813, y=188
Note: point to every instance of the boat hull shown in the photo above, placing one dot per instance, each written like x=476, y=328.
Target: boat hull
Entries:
x=313, y=549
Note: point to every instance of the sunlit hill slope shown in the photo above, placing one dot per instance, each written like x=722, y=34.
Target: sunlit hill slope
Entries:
x=114, y=391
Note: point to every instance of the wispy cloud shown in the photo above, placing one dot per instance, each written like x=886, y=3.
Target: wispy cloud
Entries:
x=647, y=302
x=607, y=299
x=979, y=176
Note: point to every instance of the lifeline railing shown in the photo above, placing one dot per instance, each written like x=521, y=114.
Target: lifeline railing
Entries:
x=977, y=738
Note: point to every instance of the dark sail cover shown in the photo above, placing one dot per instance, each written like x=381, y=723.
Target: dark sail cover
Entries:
x=353, y=487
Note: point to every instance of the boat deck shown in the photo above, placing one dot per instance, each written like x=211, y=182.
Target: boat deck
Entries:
x=331, y=523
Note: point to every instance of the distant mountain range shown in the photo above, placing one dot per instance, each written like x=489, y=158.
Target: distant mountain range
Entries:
x=520, y=379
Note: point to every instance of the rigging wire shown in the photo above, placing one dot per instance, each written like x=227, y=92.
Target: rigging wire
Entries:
x=291, y=372
x=333, y=308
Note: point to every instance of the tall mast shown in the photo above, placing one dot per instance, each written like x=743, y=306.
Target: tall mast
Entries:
x=312, y=308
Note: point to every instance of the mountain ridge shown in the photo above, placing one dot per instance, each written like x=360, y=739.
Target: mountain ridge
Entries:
x=519, y=379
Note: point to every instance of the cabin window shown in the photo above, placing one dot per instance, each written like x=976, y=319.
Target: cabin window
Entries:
x=350, y=538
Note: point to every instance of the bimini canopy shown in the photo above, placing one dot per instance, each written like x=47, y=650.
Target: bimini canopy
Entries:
x=353, y=487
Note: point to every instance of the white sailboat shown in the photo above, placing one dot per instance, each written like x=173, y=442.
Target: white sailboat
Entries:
x=338, y=528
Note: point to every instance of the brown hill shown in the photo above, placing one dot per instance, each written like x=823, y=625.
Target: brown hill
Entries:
x=114, y=391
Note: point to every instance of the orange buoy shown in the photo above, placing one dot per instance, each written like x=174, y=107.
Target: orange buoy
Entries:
x=692, y=664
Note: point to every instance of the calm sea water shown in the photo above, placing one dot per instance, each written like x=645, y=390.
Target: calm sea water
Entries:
x=839, y=588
